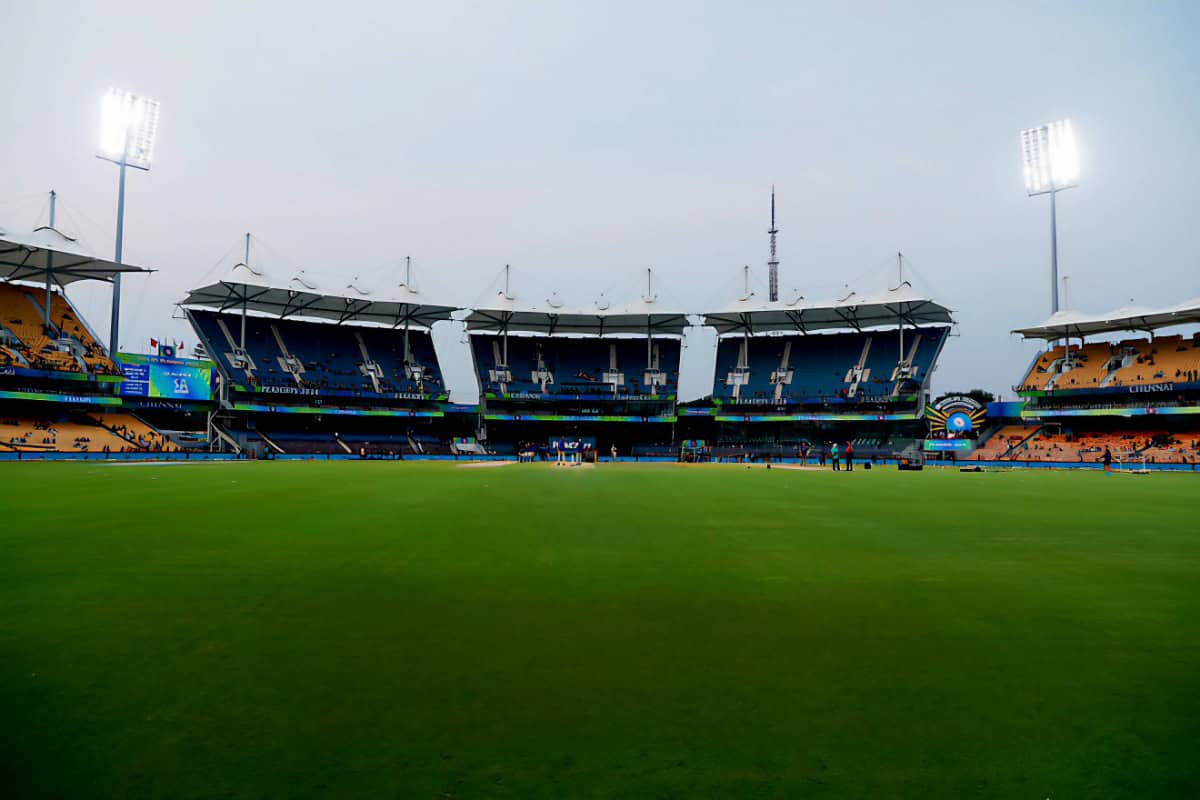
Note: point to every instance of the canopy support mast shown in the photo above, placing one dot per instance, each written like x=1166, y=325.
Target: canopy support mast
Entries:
x=649, y=340
x=245, y=291
x=899, y=313
x=407, y=285
x=50, y=261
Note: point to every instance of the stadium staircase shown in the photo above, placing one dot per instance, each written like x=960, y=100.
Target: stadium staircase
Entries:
x=224, y=436
x=270, y=443
x=136, y=432
x=368, y=366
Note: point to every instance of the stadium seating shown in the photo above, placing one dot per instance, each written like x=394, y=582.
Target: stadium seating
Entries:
x=665, y=450
x=1132, y=362
x=295, y=355
x=135, y=432
x=575, y=366
x=68, y=347
x=1083, y=446
x=1173, y=448
x=845, y=367
x=46, y=435
x=1002, y=441
x=300, y=443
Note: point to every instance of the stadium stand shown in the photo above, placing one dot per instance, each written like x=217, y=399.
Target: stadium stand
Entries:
x=67, y=346
x=1131, y=362
x=62, y=436
x=824, y=368
x=1081, y=446
x=135, y=432
x=548, y=366
x=1000, y=443
x=323, y=358
x=304, y=443
x=1181, y=447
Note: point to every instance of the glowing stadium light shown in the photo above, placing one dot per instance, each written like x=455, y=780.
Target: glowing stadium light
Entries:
x=1051, y=158
x=128, y=126
x=1051, y=165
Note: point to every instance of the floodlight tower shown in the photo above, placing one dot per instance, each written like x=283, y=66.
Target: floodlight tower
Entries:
x=1051, y=165
x=773, y=264
x=128, y=126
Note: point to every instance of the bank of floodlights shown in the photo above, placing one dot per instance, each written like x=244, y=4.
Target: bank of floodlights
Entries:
x=128, y=127
x=1051, y=158
x=1051, y=165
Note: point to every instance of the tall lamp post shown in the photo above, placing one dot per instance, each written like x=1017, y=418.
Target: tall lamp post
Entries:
x=128, y=126
x=1051, y=165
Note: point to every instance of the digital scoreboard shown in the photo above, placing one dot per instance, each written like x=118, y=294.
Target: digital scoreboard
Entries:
x=166, y=378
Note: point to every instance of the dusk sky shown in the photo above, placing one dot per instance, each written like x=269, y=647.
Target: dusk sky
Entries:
x=585, y=142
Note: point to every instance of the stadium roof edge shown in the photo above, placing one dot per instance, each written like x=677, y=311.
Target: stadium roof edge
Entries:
x=48, y=252
x=1126, y=318
x=643, y=316
x=854, y=312
x=245, y=287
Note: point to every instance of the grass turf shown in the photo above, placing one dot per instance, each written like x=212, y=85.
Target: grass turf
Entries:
x=396, y=630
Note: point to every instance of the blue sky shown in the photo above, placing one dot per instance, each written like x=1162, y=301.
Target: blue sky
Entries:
x=584, y=142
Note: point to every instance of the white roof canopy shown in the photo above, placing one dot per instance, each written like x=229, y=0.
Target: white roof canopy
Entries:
x=1128, y=318
x=506, y=314
x=301, y=296
x=854, y=312
x=31, y=256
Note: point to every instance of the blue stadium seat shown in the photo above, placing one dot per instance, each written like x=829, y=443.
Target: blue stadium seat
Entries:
x=823, y=366
x=326, y=358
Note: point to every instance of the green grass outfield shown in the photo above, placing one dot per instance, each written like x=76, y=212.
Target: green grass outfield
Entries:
x=297, y=630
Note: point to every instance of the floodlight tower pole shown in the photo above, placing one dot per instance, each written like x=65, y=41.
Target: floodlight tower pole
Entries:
x=50, y=258
x=773, y=264
x=1053, y=253
x=115, y=323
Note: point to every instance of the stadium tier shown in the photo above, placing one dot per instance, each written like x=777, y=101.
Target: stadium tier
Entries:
x=1003, y=441
x=81, y=433
x=589, y=369
x=826, y=368
x=1165, y=360
x=27, y=343
x=292, y=356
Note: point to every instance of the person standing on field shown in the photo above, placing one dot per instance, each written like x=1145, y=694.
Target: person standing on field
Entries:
x=834, y=456
x=613, y=450
x=849, y=457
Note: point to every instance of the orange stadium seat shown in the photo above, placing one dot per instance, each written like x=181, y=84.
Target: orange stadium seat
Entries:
x=135, y=433
x=119, y=433
x=19, y=315
x=1166, y=359
x=1007, y=437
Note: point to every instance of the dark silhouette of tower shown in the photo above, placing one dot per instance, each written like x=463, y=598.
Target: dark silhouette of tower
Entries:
x=773, y=264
